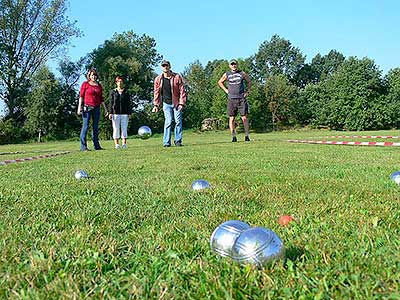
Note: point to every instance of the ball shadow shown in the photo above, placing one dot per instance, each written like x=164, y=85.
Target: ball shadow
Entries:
x=295, y=253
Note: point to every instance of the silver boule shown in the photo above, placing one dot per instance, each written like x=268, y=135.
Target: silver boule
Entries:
x=200, y=184
x=258, y=246
x=144, y=132
x=80, y=174
x=396, y=177
x=224, y=236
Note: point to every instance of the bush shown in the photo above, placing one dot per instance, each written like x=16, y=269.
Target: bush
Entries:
x=10, y=133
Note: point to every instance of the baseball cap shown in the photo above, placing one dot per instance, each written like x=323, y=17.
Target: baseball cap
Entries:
x=165, y=62
x=233, y=61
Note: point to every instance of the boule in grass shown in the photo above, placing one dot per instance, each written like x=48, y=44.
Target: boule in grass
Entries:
x=81, y=174
x=258, y=246
x=144, y=132
x=200, y=184
x=224, y=236
x=396, y=177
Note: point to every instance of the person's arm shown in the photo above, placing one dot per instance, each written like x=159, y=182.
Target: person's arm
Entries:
x=81, y=95
x=128, y=96
x=221, y=83
x=248, y=80
x=105, y=108
x=111, y=106
x=80, y=103
x=182, y=94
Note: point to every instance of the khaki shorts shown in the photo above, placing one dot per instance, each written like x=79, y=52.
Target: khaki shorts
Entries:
x=237, y=105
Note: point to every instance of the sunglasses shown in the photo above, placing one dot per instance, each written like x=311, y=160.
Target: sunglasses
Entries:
x=233, y=64
x=164, y=65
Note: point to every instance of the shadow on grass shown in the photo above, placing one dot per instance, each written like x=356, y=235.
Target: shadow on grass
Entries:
x=295, y=253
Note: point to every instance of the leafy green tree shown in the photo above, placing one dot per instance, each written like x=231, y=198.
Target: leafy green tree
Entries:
x=354, y=90
x=280, y=97
x=214, y=70
x=324, y=66
x=305, y=75
x=311, y=103
x=259, y=114
x=128, y=55
x=392, y=80
x=278, y=56
x=199, y=96
x=44, y=104
x=68, y=123
x=133, y=57
x=31, y=32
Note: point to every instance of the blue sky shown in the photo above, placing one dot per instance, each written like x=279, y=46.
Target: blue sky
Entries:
x=205, y=30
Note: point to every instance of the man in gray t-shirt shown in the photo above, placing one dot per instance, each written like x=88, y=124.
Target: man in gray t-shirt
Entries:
x=237, y=97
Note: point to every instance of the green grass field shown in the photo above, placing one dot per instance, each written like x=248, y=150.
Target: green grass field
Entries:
x=136, y=230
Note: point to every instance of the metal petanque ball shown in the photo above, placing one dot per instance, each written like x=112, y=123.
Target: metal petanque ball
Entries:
x=144, y=132
x=81, y=174
x=258, y=246
x=224, y=236
x=396, y=177
x=200, y=184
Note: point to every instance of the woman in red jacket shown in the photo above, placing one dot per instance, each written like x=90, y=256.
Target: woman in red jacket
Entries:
x=90, y=99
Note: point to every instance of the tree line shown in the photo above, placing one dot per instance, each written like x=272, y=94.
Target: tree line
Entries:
x=330, y=91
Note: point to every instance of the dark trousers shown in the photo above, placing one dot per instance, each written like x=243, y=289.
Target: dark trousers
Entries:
x=94, y=114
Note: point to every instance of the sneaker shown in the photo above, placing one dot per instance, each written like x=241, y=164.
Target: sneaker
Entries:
x=234, y=139
x=167, y=145
x=117, y=146
x=247, y=139
x=97, y=149
x=178, y=144
x=124, y=146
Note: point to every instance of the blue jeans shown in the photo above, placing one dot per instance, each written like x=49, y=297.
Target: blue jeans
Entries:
x=95, y=115
x=171, y=112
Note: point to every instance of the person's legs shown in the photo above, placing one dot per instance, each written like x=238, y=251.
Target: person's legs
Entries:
x=124, y=129
x=116, y=132
x=95, y=127
x=244, y=110
x=168, y=115
x=232, y=126
x=84, y=130
x=232, y=111
x=178, y=127
x=245, y=120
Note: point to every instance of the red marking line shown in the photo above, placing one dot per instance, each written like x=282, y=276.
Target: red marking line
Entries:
x=19, y=160
x=384, y=144
x=361, y=137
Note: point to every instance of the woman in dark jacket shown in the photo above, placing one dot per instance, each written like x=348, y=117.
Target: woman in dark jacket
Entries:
x=119, y=113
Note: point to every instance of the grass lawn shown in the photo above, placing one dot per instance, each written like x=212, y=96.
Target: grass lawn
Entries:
x=136, y=230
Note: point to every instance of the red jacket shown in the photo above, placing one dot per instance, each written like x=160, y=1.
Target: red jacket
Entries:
x=177, y=89
x=91, y=94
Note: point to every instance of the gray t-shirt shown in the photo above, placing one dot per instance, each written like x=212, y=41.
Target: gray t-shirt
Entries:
x=235, y=84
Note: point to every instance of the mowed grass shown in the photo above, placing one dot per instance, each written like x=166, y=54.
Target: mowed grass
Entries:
x=136, y=230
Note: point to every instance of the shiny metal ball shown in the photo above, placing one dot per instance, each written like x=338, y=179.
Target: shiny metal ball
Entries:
x=258, y=246
x=396, y=177
x=80, y=174
x=144, y=132
x=224, y=236
x=200, y=184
